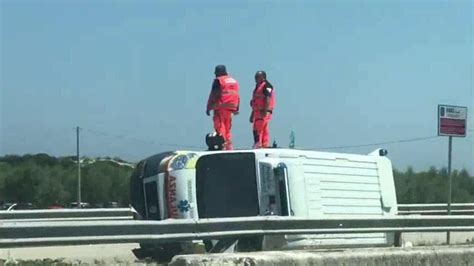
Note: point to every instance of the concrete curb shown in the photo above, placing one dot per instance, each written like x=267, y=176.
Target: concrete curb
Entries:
x=434, y=255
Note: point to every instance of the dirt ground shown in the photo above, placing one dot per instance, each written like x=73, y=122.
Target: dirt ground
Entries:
x=115, y=254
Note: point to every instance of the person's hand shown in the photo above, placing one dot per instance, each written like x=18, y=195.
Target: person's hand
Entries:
x=251, y=118
x=208, y=112
x=263, y=113
x=236, y=113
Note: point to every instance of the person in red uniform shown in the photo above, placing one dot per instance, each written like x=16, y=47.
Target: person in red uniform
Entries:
x=224, y=100
x=262, y=103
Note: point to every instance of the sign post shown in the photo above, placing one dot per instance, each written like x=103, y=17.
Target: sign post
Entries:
x=452, y=122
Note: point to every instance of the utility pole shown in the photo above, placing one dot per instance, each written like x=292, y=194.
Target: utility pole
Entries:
x=78, y=170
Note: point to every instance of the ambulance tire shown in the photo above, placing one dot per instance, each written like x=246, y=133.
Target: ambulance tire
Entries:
x=398, y=242
x=208, y=245
x=250, y=244
x=142, y=253
x=164, y=253
x=246, y=244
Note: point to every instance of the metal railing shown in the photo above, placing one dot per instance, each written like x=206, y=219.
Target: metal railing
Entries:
x=436, y=209
x=127, y=213
x=67, y=214
x=16, y=234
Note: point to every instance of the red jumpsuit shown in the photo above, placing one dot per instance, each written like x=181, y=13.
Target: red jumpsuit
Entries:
x=262, y=113
x=224, y=101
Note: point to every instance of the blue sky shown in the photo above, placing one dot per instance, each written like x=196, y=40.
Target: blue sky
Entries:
x=135, y=75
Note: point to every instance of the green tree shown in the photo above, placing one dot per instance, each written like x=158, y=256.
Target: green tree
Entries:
x=432, y=186
x=44, y=180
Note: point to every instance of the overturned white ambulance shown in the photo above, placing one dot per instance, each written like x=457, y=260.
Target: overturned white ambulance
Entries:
x=285, y=182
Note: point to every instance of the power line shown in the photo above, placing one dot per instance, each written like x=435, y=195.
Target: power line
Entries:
x=319, y=148
x=378, y=143
x=383, y=143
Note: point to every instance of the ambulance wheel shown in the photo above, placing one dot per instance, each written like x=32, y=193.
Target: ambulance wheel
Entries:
x=208, y=245
x=161, y=253
x=141, y=253
x=398, y=239
x=250, y=244
x=165, y=253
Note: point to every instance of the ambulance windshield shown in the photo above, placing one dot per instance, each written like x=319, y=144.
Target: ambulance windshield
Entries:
x=226, y=185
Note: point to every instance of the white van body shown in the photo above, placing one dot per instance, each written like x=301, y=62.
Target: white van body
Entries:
x=286, y=182
x=332, y=185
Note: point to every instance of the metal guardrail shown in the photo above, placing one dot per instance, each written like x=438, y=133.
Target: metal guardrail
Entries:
x=16, y=234
x=67, y=214
x=127, y=213
x=436, y=209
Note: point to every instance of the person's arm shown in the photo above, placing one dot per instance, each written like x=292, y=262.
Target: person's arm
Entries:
x=267, y=91
x=213, y=96
x=238, y=107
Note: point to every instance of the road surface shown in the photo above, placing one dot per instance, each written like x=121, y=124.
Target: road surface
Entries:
x=122, y=254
